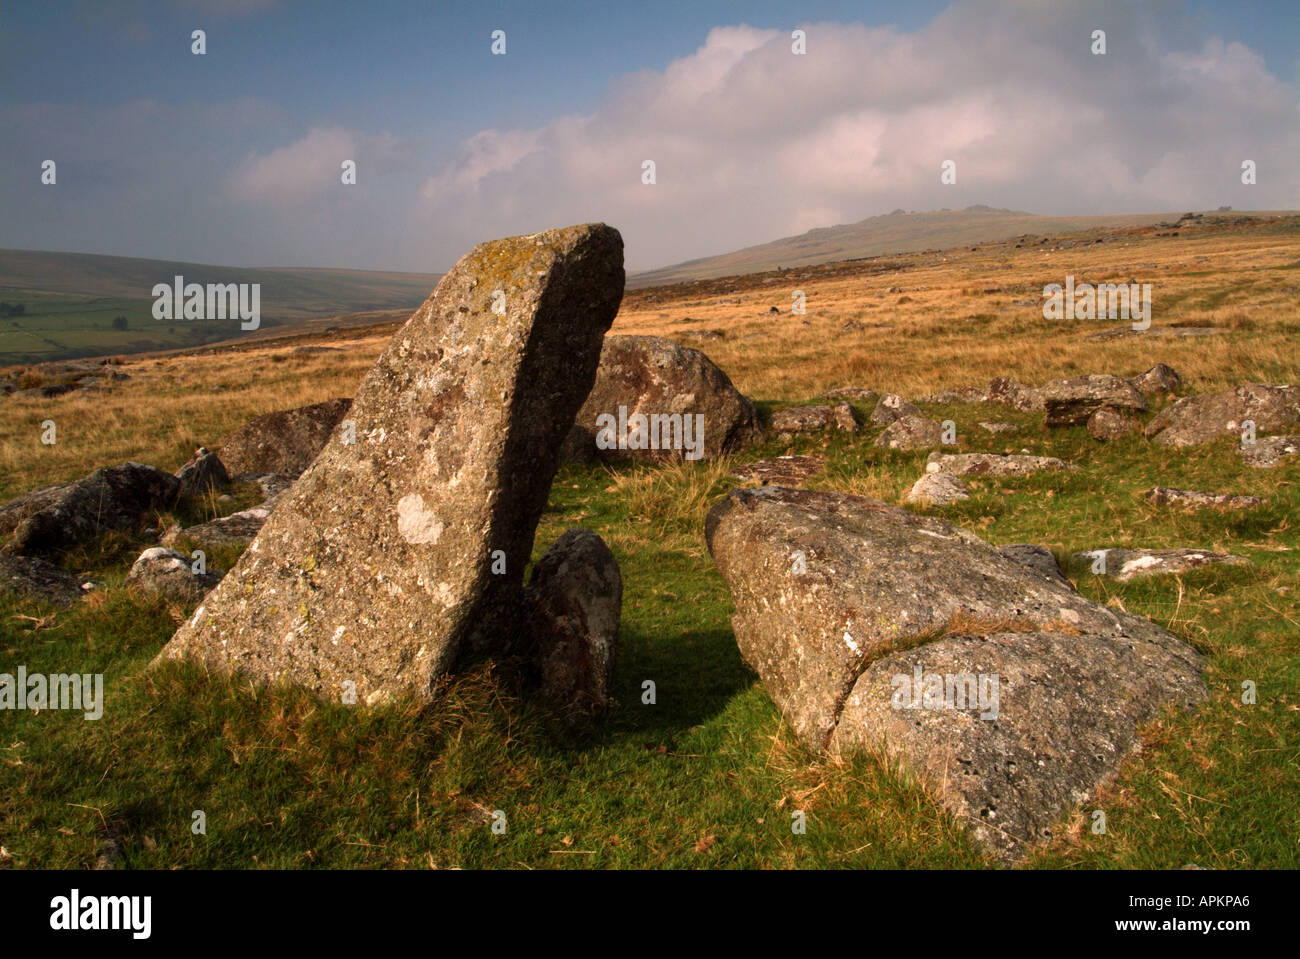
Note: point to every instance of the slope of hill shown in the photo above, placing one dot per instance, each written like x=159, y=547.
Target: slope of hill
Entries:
x=896, y=232
x=64, y=305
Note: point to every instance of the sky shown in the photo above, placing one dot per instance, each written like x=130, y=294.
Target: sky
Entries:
x=234, y=157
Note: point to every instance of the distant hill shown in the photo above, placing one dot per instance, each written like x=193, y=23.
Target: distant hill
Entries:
x=896, y=232
x=71, y=302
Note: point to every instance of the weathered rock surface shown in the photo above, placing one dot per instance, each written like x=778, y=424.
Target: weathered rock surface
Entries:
x=1110, y=424
x=572, y=607
x=859, y=393
x=892, y=407
x=1071, y=402
x=910, y=433
x=782, y=470
x=993, y=464
x=1068, y=710
x=1038, y=558
x=36, y=578
x=938, y=489
x=203, y=473
x=376, y=567
x=285, y=441
x=1157, y=380
x=1268, y=451
x=240, y=527
x=996, y=426
x=653, y=376
x=169, y=573
x=1201, y=418
x=815, y=419
x=1196, y=499
x=116, y=498
x=824, y=635
x=1126, y=564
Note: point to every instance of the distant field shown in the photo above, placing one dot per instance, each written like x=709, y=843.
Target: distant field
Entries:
x=71, y=299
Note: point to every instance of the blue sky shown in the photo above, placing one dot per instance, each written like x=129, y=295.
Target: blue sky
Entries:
x=232, y=157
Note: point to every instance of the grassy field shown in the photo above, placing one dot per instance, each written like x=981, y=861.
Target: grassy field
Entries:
x=707, y=776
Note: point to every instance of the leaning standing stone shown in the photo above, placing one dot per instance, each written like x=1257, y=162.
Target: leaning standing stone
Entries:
x=394, y=551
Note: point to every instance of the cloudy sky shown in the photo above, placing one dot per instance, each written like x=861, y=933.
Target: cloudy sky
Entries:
x=233, y=157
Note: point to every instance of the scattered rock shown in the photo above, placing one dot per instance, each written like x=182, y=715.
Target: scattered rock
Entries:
x=859, y=393
x=938, y=489
x=1038, y=558
x=827, y=586
x=815, y=419
x=1267, y=452
x=573, y=604
x=1126, y=564
x=781, y=471
x=170, y=574
x=1156, y=332
x=995, y=426
x=377, y=568
x=40, y=579
x=1167, y=496
x=1110, y=424
x=993, y=464
x=892, y=407
x=1157, y=380
x=241, y=527
x=1071, y=402
x=108, y=499
x=285, y=441
x=1201, y=418
x=911, y=433
x=655, y=377
x=203, y=473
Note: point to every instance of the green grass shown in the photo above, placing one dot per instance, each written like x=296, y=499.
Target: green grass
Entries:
x=705, y=777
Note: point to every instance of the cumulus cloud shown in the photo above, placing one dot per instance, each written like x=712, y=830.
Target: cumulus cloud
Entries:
x=752, y=142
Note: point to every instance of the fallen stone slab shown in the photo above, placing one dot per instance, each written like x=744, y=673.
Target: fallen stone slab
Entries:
x=572, y=608
x=995, y=427
x=35, y=578
x=1071, y=402
x=1206, y=416
x=1156, y=332
x=1197, y=499
x=115, y=498
x=781, y=471
x=910, y=433
x=690, y=407
x=285, y=441
x=1269, y=451
x=993, y=464
x=937, y=489
x=395, y=554
x=165, y=572
x=1126, y=564
x=828, y=587
x=892, y=407
x=1011, y=730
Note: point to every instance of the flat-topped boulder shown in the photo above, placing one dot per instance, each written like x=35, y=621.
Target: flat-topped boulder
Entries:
x=994, y=464
x=657, y=401
x=1071, y=402
x=285, y=441
x=1125, y=564
x=910, y=433
x=937, y=489
x=842, y=601
x=815, y=419
x=781, y=470
x=1207, y=416
x=398, y=552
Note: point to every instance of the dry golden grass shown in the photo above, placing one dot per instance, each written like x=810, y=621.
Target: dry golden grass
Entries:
x=969, y=315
